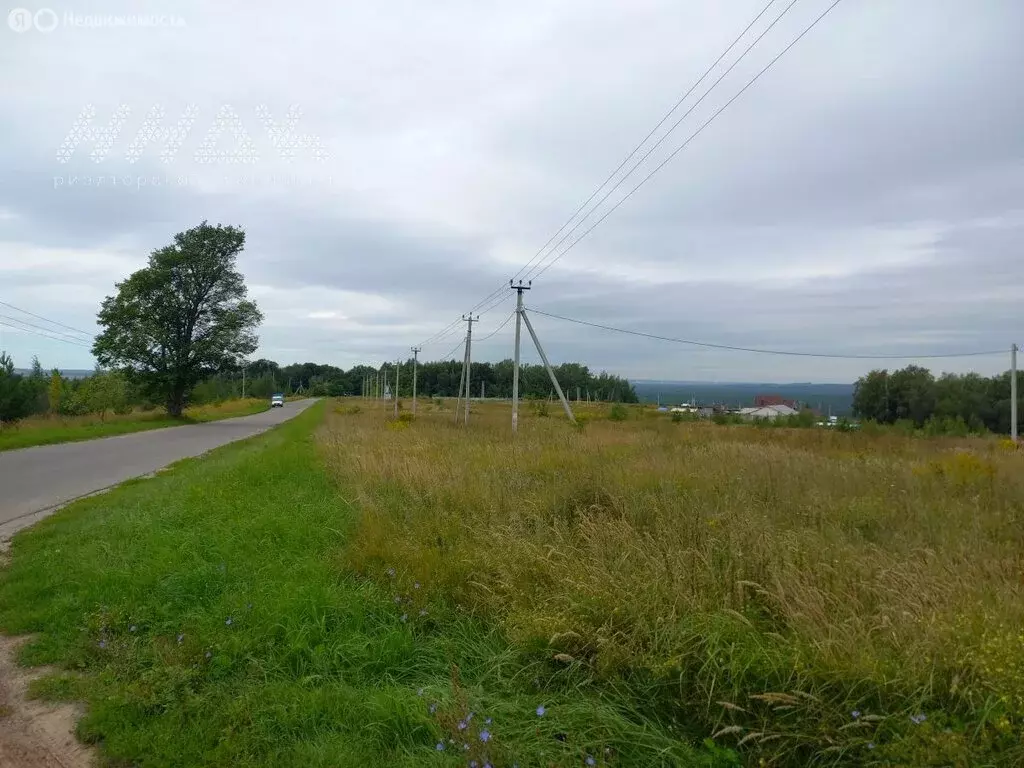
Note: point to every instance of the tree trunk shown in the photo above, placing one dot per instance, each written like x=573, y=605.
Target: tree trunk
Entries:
x=175, y=404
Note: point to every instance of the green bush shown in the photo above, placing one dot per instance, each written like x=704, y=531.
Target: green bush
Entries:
x=618, y=412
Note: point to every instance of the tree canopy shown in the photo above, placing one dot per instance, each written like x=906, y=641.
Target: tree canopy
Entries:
x=182, y=317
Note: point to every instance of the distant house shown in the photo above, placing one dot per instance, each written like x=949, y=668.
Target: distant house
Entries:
x=765, y=401
x=768, y=412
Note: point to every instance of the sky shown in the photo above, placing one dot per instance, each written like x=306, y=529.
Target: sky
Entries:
x=394, y=163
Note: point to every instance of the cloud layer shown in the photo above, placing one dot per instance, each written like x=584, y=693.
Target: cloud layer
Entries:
x=866, y=196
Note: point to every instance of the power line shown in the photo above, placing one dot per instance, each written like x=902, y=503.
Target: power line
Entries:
x=48, y=320
x=455, y=348
x=692, y=136
x=667, y=133
x=544, y=248
x=45, y=335
x=42, y=328
x=763, y=351
x=503, y=324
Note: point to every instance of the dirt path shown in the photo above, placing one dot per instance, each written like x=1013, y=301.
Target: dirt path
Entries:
x=34, y=734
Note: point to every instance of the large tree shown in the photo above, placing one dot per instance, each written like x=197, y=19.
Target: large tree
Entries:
x=182, y=317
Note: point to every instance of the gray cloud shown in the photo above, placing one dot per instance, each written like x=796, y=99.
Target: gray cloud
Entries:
x=866, y=196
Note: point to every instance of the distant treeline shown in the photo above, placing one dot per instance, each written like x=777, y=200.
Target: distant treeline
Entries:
x=433, y=379
x=103, y=392
x=952, y=403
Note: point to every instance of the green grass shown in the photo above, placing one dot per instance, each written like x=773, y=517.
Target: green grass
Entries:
x=205, y=617
x=40, y=430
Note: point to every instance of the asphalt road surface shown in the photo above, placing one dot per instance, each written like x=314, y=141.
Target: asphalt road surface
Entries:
x=36, y=481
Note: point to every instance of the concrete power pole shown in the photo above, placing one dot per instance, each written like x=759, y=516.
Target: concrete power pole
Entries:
x=469, y=356
x=415, y=359
x=547, y=365
x=1013, y=393
x=398, y=370
x=515, y=368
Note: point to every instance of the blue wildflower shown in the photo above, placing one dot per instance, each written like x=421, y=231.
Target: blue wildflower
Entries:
x=590, y=760
x=871, y=745
x=465, y=747
x=473, y=764
x=132, y=628
x=181, y=639
x=440, y=746
x=391, y=572
x=419, y=692
x=228, y=622
x=415, y=585
x=855, y=714
x=918, y=719
x=209, y=654
x=433, y=707
x=541, y=710
x=462, y=725
x=487, y=721
x=102, y=643
x=488, y=765
x=485, y=735
x=469, y=717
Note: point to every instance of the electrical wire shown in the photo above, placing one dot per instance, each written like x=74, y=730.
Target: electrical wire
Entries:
x=68, y=336
x=544, y=248
x=48, y=320
x=45, y=335
x=454, y=349
x=763, y=351
x=692, y=136
x=669, y=132
x=504, y=323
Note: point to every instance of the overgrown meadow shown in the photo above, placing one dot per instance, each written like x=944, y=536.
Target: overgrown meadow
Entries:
x=354, y=590
x=802, y=596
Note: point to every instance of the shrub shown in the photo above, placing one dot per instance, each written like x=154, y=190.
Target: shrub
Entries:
x=618, y=412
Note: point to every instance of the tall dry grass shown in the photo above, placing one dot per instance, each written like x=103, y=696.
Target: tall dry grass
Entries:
x=804, y=593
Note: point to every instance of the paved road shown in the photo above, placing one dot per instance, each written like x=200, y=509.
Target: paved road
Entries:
x=35, y=481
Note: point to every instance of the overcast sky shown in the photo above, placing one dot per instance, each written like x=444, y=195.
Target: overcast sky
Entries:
x=865, y=196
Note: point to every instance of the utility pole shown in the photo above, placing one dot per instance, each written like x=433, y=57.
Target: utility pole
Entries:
x=1013, y=392
x=398, y=370
x=386, y=391
x=469, y=356
x=415, y=356
x=551, y=373
x=482, y=390
x=462, y=381
x=515, y=368
x=243, y=381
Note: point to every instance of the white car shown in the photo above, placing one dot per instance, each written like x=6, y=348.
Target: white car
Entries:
x=277, y=401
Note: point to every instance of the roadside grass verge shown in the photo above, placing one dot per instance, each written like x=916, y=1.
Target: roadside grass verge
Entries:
x=46, y=430
x=203, y=618
x=811, y=597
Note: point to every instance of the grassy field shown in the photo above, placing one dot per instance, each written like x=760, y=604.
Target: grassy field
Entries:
x=348, y=590
x=45, y=430
x=806, y=595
